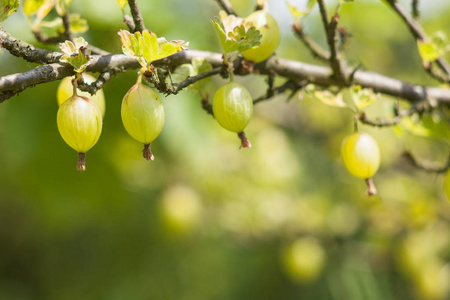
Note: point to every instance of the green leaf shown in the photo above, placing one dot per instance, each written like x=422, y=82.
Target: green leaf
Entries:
x=62, y=6
x=325, y=96
x=77, y=24
x=311, y=4
x=37, y=9
x=432, y=125
x=295, y=12
x=77, y=55
x=147, y=48
x=235, y=34
x=122, y=3
x=198, y=65
x=433, y=48
x=358, y=96
x=7, y=8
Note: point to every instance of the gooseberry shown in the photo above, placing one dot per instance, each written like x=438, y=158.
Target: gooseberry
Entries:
x=65, y=90
x=80, y=124
x=270, y=39
x=361, y=157
x=233, y=108
x=143, y=116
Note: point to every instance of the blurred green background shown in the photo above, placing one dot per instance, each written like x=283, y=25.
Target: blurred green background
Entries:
x=205, y=220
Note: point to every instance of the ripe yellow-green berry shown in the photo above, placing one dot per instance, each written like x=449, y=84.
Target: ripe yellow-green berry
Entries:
x=361, y=157
x=65, y=90
x=270, y=39
x=143, y=116
x=80, y=125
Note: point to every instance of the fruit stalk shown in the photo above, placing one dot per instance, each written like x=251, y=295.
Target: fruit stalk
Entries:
x=147, y=152
x=245, y=143
x=81, y=165
x=371, y=189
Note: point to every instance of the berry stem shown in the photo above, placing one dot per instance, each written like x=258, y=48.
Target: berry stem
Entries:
x=81, y=165
x=371, y=189
x=147, y=153
x=245, y=143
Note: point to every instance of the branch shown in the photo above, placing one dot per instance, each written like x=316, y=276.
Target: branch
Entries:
x=226, y=6
x=176, y=87
x=362, y=117
x=28, y=52
x=419, y=34
x=96, y=85
x=293, y=70
x=330, y=29
x=427, y=166
x=288, y=85
x=137, y=17
x=314, y=48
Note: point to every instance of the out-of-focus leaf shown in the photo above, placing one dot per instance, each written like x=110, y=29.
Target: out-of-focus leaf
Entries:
x=7, y=8
x=358, y=96
x=427, y=126
x=77, y=55
x=38, y=9
x=433, y=48
x=197, y=66
x=311, y=4
x=235, y=34
x=122, y=3
x=325, y=96
x=62, y=6
x=77, y=24
x=147, y=48
x=295, y=12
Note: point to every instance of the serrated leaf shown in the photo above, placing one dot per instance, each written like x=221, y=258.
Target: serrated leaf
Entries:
x=7, y=8
x=325, y=96
x=295, y=12
x=433, y=48
x=62, y=6
x=427, y=126
x=147, y=48
x=235, y=34
x=77, y=55
x=122, y=3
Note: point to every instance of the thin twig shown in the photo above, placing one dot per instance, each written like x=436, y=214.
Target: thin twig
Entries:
x=93, y=87
x=288, y=85
x=427, y=166
x=137, y=16
x=362, y=117
x=226, y=6
x=177, y=87
x=314, y=48
x=330, y=29
x=415, y=9
x=129, y=22
x=418, y=33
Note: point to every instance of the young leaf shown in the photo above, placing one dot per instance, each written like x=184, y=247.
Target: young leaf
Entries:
x=360, y=97
x=295, y=12
x=7, y=8
x=198, y=65
x=77, y=24
x=122, y=3
x=235, y=34
x=432, y=125
x=311, y=4
x=433, y=48
x=62, y=6
x=147, y=48
x=325, y=96
x=77, y=55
